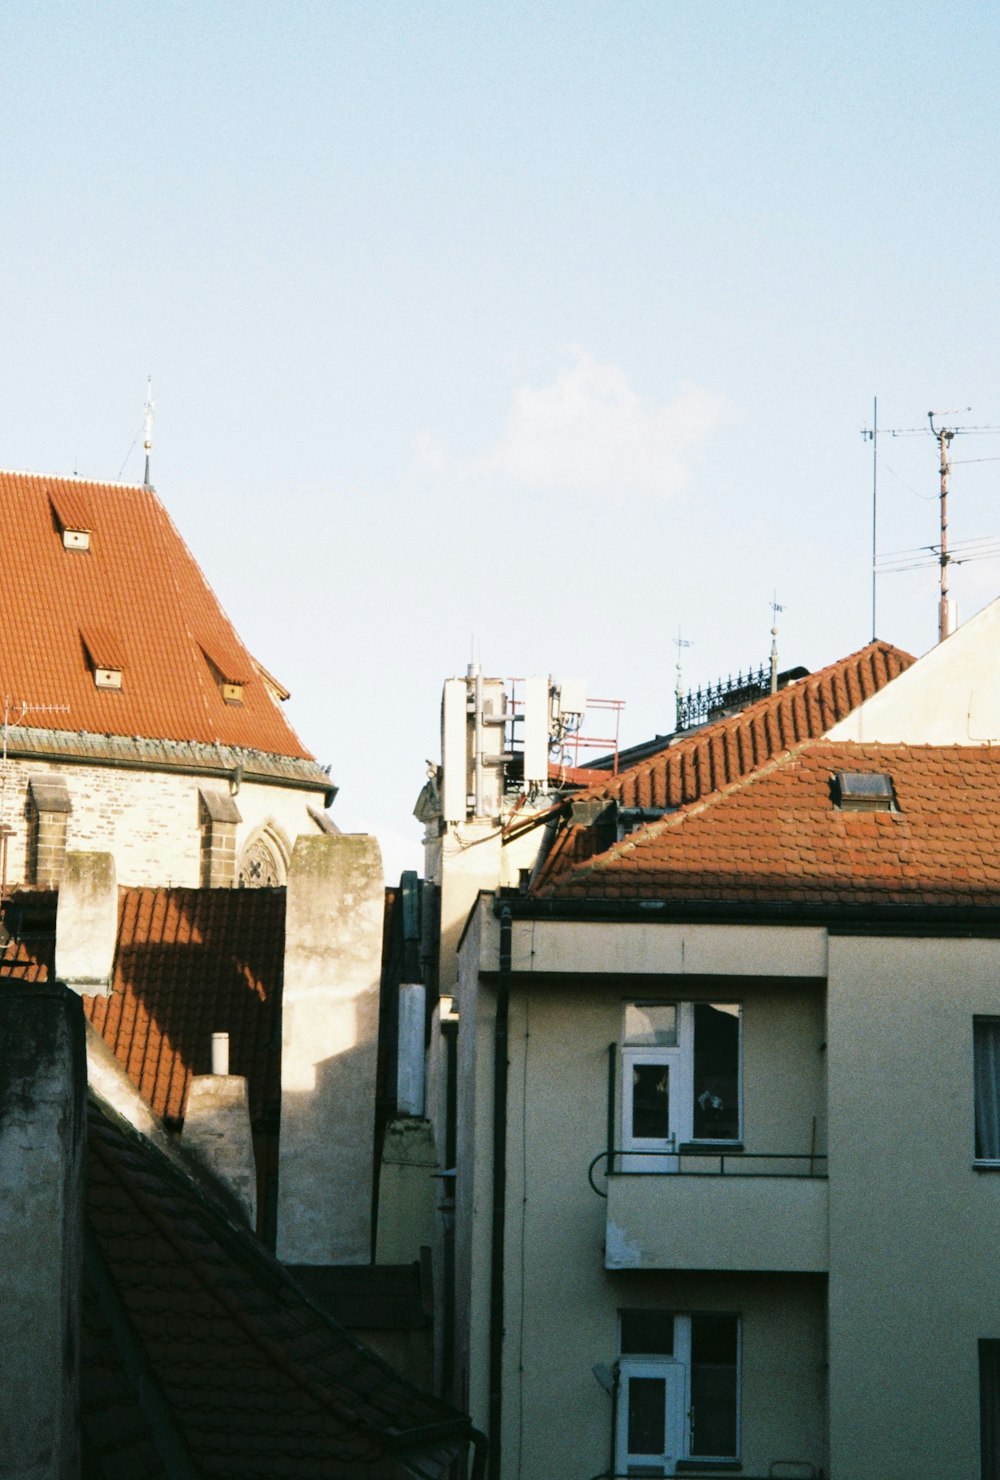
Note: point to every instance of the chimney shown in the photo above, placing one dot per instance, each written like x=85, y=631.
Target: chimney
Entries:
x=42, y=1109
x=335, y=905
x=217, y=1128
x=87, y=923
x=410, y=1050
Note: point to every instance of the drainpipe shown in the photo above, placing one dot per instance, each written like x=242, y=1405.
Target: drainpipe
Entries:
x=499, y=1191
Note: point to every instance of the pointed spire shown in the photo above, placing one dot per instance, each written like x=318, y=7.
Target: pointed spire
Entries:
x=775, y=609
x=147, y=427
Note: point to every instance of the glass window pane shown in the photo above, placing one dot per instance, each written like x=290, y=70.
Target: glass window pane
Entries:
x=647, y=1400
x=716, y=1071
x=652, y=1024
x=989, y=1408
x=986, y=1067
x=648, y=1333
x=650, y=1101
x=714, y=1344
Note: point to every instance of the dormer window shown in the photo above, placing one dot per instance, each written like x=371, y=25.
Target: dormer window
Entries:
x=228, y=667
x=73, y=518
x=104, y=656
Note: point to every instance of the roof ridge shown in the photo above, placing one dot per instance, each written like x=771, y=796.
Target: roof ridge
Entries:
x=75, y=479
x=704, y=734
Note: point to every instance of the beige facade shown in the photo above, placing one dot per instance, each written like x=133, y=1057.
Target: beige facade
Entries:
x=849, y=1234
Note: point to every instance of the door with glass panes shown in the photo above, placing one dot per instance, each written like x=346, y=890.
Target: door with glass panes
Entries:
x=680, y=1080
x=650, y=1438
x=678, y=1390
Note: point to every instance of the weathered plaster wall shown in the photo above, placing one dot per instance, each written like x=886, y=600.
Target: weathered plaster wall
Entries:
x=42, y=1093
x=87, y=923
x=329, y=1043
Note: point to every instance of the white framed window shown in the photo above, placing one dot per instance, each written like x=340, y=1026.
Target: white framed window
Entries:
x=678, y=1390
x=681, y=1079
x=986, y=1080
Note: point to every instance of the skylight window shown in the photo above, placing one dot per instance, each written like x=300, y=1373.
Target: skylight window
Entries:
x=864, y=791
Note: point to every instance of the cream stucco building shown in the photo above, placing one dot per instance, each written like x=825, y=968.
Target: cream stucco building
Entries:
x=728, y=1106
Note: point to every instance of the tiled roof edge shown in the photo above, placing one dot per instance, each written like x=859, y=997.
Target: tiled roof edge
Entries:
x=239, y=1242
x=194, y=756
x=675, y=819
x=74, y=479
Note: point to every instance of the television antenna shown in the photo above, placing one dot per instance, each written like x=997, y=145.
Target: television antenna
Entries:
x=939, y=554
x=680, y=643
x=775, y=609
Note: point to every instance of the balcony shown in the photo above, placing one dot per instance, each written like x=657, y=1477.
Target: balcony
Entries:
x=714, y=1210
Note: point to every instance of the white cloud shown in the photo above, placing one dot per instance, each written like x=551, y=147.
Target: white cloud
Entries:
x=590, y=431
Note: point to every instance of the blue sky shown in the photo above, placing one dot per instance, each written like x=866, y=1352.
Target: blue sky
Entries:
x=538, y=331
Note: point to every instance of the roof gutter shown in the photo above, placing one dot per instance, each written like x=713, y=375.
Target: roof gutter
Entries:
x=872, y=917
x=186, y=768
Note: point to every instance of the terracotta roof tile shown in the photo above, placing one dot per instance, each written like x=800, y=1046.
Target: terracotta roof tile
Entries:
x=779, y=835
x=711, y=758
x=190, y=962
x=255, y=1379
x=136, y=592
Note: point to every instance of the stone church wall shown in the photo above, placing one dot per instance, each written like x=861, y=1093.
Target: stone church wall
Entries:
x=154, y=823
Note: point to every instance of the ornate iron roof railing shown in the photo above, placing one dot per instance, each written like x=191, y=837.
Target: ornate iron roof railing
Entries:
x=728, y=696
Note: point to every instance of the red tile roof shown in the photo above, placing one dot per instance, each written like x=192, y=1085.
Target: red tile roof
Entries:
x=191, y=962
x=188, y=963
x=778, y=837
x=719, y=753
x=251, y=1378
x=136, y=600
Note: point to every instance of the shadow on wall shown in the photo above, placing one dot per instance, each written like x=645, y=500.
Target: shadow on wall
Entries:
x=326, y=1183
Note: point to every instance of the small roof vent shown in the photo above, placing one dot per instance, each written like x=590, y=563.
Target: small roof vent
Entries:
x=864, y=791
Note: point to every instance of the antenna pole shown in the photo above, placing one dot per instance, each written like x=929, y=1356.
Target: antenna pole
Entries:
x=147, y=428
x=775, y=609
x=943, y=436
x=679, y=643
x=874, y=507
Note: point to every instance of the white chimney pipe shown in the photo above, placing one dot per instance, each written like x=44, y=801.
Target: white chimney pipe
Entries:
x=220, y=1053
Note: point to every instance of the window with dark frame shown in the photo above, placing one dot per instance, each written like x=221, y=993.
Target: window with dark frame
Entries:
x=989, y=1409
x=986, y=1080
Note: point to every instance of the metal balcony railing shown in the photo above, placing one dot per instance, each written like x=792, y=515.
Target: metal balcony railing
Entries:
x=716, y=1161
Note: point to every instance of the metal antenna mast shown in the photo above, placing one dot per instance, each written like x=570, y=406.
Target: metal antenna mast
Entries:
x=775, y=609
x=939, y=554
x=943, y=436
x=872, y=436
x=679, y=643
x=147, y=427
